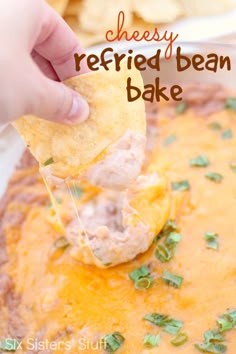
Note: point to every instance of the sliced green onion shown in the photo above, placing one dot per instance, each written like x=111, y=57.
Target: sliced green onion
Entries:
x=112, y=342
x=213, y=336
x=76, y=191
x=142, y=277
x=232, y=316
x=214, y=340
x=157, y=319
x=180, y=339
x=169, y=140
x=173, y=238
x=211, y=348
x=173, y=327
x=172, y=279
x=144, y=283
x=227, y=321
x=61, y=243
x=199, y=161
x=169, y=325
x=215, y=177
x=48, y=162
x=163, y=253
x=143, y=271
x=215, y=126
x=9, y=345
x=212, y=240
x=180, y=108
x=152, y=340
x=227, y=134
x=157, y=238
x=213, y=343
x=169, y=226
x=233, y=166
x=180, y=186
x=231, y=103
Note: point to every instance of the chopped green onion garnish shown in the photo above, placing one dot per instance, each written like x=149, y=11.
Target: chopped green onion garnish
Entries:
x=169, y=140
x=142, y=277
x=199, y=161
x=172, y=279
x=214, y=340
x=76, y=191
x=61, y=243
x=170, y=226
x=227, y=134
x=215, y=126
x=173, y=326
x=157, y=238
x=180, y=186
x=213, y=336
x=173, y=238
x=144, y=283
x=49, y=161
x=157, y=319
x=163, y=253
x=180, y=339
x=169, y=325
x=152, y=340
x=211, y=348
x=212, y=240
x=215, y=177
x=9, y=345
x=232, y=316
x=180, y=108
x=112, y=342
x=227, y=321
x=233, y=166
x=143, y=271
x=231, y=104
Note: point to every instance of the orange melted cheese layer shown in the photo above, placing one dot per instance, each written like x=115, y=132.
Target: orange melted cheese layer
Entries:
x=79, y=301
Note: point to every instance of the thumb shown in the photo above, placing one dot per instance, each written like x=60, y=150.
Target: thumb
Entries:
x=55, y=101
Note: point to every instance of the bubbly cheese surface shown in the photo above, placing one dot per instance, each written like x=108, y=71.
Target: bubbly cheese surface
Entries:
x=67, y=300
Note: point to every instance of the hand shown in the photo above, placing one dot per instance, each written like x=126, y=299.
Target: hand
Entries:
x=37, y=52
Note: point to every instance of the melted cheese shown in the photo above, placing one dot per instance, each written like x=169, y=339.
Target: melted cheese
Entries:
x=60, y=294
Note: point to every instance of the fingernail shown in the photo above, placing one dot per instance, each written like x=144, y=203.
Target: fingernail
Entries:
x=79, y=110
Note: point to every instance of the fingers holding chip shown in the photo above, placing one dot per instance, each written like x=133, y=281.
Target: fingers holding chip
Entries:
x=115, y=128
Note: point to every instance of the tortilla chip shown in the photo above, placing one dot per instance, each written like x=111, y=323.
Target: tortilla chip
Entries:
x=73, y=8
x=70, y=149
x=157, y=11
x=204, y=8
x=86, y=39
x=59, y=5
x=140, y=25
x=89, y=39
x=101, y=16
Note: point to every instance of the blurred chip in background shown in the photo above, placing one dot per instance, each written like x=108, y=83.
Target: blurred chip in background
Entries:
x=90, y=19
